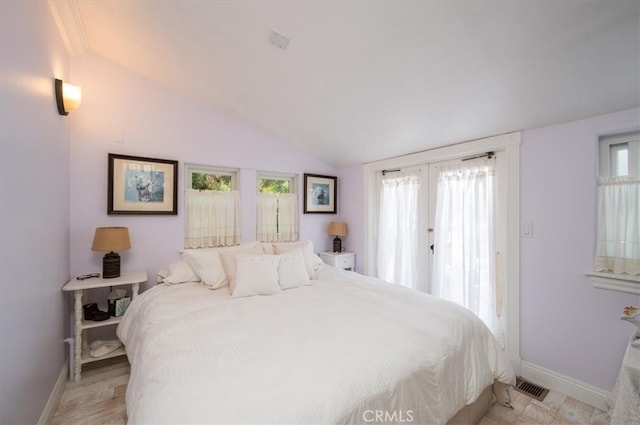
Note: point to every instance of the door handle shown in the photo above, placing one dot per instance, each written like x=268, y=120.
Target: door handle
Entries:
x=432, y=247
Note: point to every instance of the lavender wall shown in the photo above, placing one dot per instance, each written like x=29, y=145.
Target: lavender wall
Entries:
x=34, y=209
x=352, y=202
x=567, y=325
x=126, y=114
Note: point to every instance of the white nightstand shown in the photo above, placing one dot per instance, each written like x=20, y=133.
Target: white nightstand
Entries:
x=134, y=278
x=341, y=260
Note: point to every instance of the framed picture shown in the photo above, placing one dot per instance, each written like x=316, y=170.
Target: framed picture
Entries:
x=140, y=185
x=320, y=194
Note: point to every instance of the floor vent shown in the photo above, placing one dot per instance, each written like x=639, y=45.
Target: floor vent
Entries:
x=530, y=389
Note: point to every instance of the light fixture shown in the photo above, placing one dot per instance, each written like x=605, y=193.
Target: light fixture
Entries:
x=68, y=96
x=337, y=229
x=110, y=239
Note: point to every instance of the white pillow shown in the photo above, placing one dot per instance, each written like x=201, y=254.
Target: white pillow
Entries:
x=256, y=275
x=178, y=272
x=206, y=264
x=228, y=258
x=292, y=271
x=307, y=253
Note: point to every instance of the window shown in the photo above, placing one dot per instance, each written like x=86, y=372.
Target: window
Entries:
x=212, y=207
x=618, y=247
x=275, y=185
x=207, y=178
x=619, y=155
x=277, y=215
x=619, y=159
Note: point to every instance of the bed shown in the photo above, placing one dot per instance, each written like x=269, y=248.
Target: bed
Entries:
x=341, y=348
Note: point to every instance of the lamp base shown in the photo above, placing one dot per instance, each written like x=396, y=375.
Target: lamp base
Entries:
x=111, y=265
x=337, y=245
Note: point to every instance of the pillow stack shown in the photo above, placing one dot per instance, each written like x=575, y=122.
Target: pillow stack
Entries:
x=249, y=269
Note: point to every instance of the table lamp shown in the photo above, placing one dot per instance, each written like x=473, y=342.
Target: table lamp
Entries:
x=337, y=229
x=109, y=240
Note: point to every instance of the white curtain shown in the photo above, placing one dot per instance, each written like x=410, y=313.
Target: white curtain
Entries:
x=277, y=217
x=618, y=248
x=397, y=258
x=212, y=218
x=464, y=255
x=288, y=217
x=267, y=217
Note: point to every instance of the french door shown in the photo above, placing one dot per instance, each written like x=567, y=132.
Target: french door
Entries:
x=466, y=234
x=398, y=227
x=506, y=220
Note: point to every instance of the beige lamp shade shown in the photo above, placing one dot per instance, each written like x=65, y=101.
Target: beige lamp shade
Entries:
x=337, y=229
x=108, y=239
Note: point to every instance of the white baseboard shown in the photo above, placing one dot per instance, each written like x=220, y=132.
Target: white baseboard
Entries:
x=579, y=390
x=515, y=361
x=55, y=396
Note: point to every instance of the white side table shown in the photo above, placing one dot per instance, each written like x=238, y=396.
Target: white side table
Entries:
x=341, y=260
x=133, y=278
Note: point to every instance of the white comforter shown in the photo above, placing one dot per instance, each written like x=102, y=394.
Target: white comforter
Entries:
x=338, y=352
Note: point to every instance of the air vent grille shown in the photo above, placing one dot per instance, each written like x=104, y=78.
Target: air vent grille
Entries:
x=279, y=40
x=531, y=389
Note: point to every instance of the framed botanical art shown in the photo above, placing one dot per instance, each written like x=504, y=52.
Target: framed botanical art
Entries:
x=320, y=194
x=139, y=185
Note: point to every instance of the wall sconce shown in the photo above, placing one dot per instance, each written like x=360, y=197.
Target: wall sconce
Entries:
x=337, y=229
x=68, y=96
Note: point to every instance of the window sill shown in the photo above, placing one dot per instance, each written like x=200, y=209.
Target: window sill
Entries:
x=615, y=282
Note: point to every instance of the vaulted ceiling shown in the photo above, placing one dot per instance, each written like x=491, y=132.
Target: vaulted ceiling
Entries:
x=366, y=80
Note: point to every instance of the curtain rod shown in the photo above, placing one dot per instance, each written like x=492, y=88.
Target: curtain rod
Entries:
x=489, y=155
x=384, y=172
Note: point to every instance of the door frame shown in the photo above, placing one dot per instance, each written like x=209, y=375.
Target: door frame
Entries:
x=510, y=145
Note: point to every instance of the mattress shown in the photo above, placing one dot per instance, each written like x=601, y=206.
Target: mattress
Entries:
x=348, y=349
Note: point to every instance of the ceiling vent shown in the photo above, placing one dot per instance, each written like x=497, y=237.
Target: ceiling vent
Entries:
x=279, y=40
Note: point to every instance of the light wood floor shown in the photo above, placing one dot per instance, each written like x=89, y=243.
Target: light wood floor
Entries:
x=556, y=409
x=98, y=399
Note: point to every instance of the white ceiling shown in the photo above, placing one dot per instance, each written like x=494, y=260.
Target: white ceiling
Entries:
x=364, y=80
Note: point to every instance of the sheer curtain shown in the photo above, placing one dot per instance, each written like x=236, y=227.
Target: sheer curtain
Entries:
x=212, y=218
x=277, y=218
x=288, y=217
x=618, y=248
x=397, y=258
x=464, y=255
x=267, y=217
